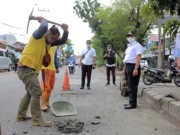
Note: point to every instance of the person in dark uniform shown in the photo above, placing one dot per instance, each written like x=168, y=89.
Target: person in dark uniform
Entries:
x=132, y=68
x=111, y=64
x=16, y=60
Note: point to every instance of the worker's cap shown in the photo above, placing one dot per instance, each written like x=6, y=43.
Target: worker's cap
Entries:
x=131, y=33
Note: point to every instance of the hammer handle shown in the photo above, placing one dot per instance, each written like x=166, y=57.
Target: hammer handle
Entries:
x=34, y=18
x=53, y=23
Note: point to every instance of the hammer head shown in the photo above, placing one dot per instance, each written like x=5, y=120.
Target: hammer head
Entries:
x=29, y=19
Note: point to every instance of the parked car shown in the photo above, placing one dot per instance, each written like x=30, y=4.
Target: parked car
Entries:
x=144, y=63
x=5, y=61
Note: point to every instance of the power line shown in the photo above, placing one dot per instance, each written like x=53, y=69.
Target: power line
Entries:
x=12, y=26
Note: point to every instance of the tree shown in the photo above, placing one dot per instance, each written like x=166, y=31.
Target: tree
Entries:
x=86, y=9
x=111, y=23
x=159, y=6
x=64, y=52
x=171, y=27
x=173, y=7
x=69, y=42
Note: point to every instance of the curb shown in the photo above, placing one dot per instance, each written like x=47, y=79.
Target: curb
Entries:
x=6, y=73
x=168, y=104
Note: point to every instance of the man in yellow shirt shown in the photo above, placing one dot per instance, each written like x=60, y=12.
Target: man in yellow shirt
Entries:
x=30, y=65
x=49, y=78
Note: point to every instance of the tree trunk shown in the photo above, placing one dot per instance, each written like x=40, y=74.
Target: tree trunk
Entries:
x=159, y=45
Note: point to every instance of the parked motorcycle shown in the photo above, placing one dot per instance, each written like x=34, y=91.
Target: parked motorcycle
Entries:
x=71, y=68
x=152, y=75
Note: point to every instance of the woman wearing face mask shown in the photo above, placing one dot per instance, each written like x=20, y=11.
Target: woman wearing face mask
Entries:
x=132, y=68
x=30, y=65
x=87, y=63
x=110, y=66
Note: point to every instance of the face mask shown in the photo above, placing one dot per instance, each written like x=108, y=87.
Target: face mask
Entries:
x=130, y=40
x=88, y=45
x=109, y=50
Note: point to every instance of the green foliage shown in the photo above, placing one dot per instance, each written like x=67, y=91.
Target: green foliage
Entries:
x=86, y=9
x=159, y=6
x=119, y=63
x=68, y=53
x=111, y=23
x=171, y=27
x=152, y=62
x=99, y=51
x=69, y=42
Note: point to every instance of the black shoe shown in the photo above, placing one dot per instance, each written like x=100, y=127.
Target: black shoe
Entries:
x=130, y=107
x=88, y=88
x=126, y=105
x=81, y=87
x=107, y=84
x=114, y=84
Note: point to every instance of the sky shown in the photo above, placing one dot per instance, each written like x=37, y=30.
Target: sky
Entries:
x=16, y=13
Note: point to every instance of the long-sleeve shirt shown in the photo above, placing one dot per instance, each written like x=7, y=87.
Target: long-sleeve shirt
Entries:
x=56, y=61
x=43, y=28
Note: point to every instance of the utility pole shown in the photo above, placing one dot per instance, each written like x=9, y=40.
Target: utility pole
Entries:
x=159, y=64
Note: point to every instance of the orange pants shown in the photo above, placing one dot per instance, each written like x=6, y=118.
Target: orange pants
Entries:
x=49, y=80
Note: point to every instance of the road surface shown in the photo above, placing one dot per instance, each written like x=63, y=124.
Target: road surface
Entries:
x=103, y=101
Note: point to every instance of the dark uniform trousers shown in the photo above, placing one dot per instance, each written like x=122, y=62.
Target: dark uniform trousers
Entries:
x=112, y=69
x=86, y=70
x=133, y=82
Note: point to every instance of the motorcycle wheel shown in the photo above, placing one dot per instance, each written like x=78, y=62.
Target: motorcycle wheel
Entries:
x=145, y=80
x=177, y=80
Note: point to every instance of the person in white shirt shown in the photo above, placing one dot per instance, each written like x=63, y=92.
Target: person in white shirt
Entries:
x=87, y=63
x=132, y=68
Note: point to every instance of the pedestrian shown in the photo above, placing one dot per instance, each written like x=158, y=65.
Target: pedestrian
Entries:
x=111, y=64
x=87, y=63
x=132, y=68
x=49, y=78
x=16, y=60
x=33, y=56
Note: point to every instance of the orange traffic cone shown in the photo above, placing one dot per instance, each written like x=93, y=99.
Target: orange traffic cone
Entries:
x=66, y=85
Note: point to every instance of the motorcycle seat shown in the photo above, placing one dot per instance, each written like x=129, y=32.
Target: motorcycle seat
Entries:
x=160, y=70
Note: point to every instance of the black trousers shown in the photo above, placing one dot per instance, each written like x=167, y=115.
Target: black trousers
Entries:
x=86, y=69
x=108, y=70
x=15, y=67
x=133, y=82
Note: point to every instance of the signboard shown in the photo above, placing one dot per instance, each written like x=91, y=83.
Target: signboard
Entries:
x=69, y=48
x=155, y=38
x=155, y=47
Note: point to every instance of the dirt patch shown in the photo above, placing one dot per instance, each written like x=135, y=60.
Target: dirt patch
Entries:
x=75, y=93
x=70, y=126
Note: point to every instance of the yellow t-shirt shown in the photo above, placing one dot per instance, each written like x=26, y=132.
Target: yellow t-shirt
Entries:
x=51, y=66
x=32, y=55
